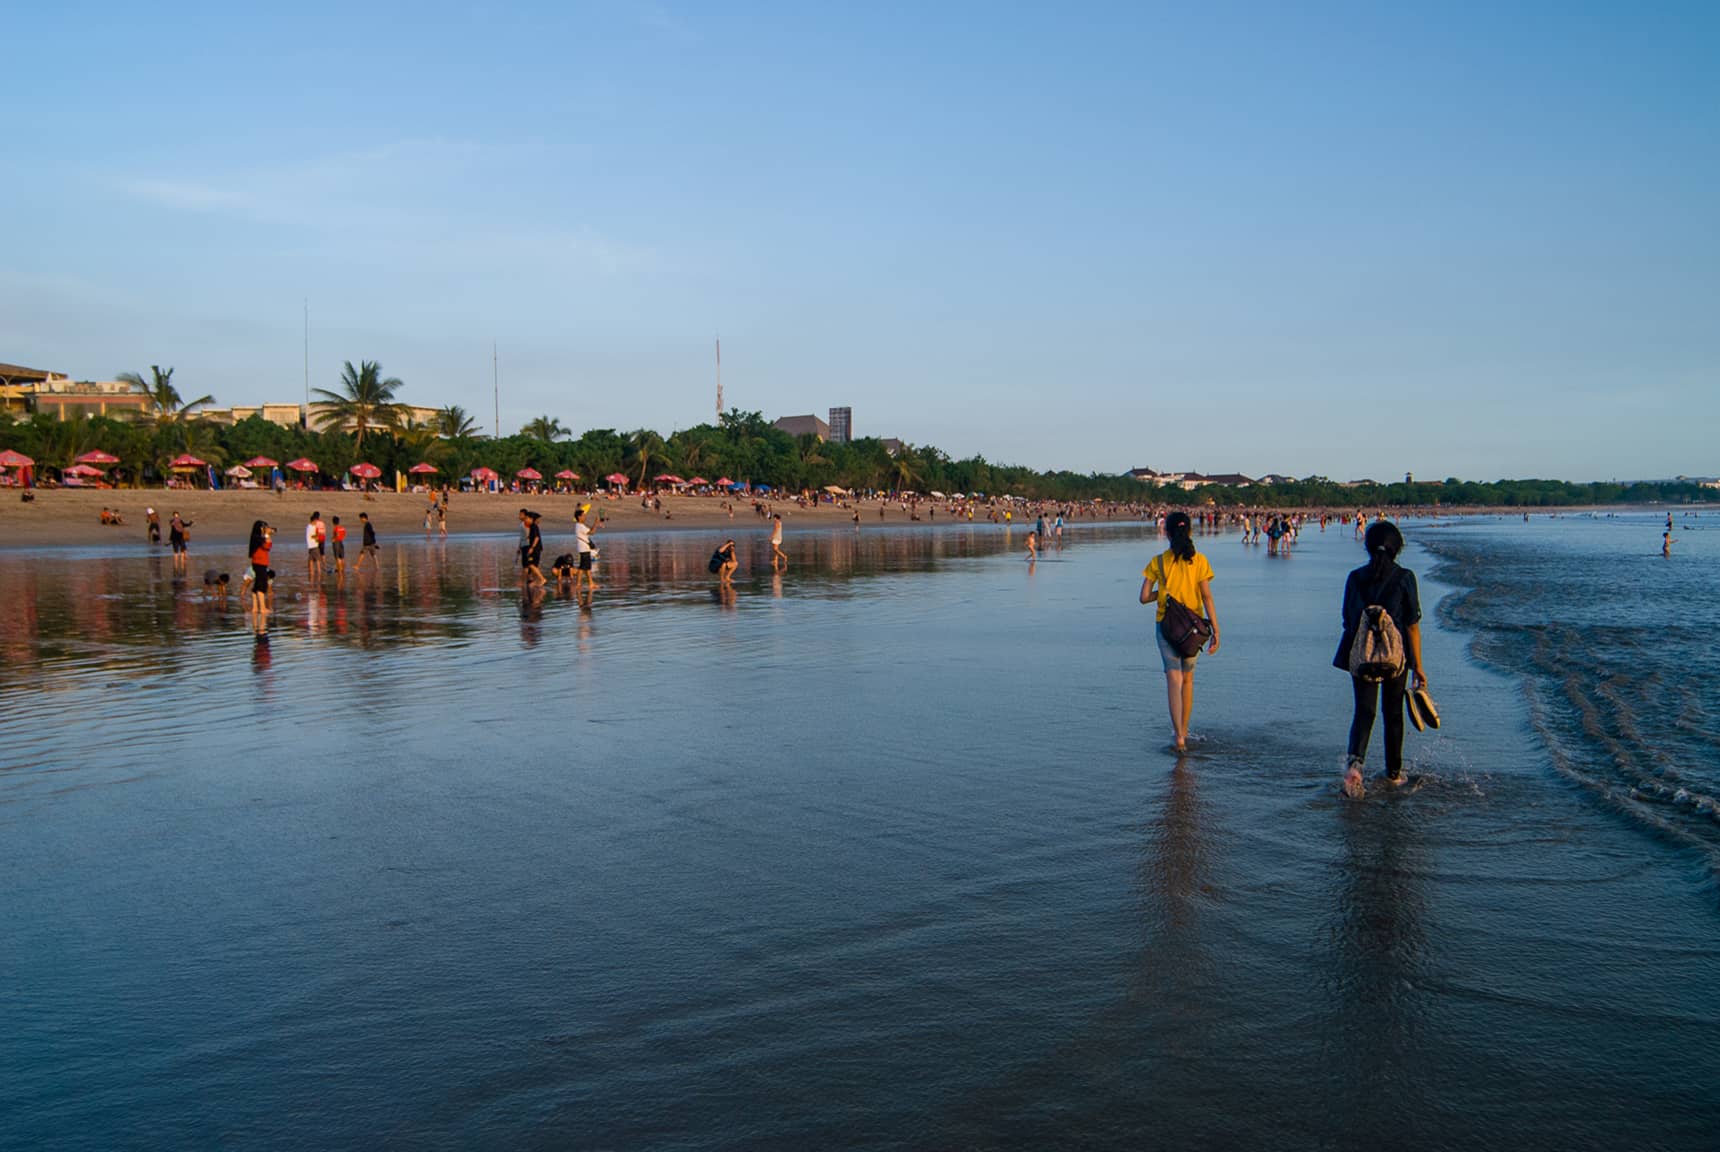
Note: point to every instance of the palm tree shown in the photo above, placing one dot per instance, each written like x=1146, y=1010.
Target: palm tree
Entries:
x=365, y=401
x=546, y=428
x=165, y=405
x=645, y=444
x=905, y=470
x=455, y=424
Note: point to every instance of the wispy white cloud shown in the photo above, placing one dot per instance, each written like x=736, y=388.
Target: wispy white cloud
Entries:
x=659, y=19
x=182, y=194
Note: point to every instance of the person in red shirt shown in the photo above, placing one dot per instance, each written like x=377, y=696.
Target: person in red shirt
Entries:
x=339, y=548
x=262, y=539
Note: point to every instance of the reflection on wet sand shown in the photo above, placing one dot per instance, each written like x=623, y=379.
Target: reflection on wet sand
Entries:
x=1378, y=974
x=136, y=612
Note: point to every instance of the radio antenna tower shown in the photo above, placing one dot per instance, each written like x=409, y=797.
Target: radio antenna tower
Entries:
x=719, y=379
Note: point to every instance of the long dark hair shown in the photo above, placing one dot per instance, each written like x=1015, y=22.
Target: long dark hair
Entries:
x=1383, y=542
x=1181, y=533
x=257, y=527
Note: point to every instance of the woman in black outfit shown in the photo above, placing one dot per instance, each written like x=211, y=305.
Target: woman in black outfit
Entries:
x=1380, y=581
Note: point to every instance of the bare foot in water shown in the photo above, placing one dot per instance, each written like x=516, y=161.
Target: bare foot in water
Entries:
x=1353, y=786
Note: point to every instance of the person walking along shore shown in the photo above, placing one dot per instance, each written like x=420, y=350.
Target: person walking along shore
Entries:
x=1182, y=574
x=1380, y=585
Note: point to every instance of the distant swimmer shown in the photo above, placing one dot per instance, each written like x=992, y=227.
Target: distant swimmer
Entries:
x=1182, y=576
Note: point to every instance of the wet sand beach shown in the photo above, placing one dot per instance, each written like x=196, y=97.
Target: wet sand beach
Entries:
x=884, y=851
x=73, y=517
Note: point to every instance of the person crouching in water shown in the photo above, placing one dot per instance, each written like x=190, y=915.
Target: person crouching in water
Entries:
x=1383, y=583
x=1184, y=574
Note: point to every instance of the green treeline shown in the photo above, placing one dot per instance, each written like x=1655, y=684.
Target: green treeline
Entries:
x=743, y=446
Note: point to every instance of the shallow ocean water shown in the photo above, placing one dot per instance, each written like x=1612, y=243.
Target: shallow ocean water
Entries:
x=886, y=851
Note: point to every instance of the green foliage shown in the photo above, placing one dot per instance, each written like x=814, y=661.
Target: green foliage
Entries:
x=741, y=445
x=364, y=403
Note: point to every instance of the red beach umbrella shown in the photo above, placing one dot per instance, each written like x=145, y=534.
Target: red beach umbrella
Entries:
x=80, y=470
x=567, y=474
x=265, y=462
x=365, y=470
x=616, y=478
x=529, y=474
x=11, y=459
x=698, y=480
x=421, y=468
x=186, y=462
x=96, y=457
x=302, y=465
x=483, y=473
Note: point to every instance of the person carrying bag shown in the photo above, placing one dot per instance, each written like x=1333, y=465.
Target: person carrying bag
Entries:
x=1176, y=579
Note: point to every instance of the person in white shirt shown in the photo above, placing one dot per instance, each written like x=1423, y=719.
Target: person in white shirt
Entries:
x=313, y=546
x=777, y=555
x=582, y=547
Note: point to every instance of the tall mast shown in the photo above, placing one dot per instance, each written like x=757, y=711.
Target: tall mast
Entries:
x=719, y=379
x=307, y=360
x=496, y=380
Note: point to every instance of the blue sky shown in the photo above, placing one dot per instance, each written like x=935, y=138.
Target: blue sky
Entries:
x=1353, y=239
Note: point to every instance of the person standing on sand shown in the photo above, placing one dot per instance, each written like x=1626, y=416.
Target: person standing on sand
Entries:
x=533, y=559
x=777, y=555
x=179, y=537
x=262, y=539
x=339, y=549
x=1380, y=582
x=583, y=551
x=1184, y=574
x=367, y=544
x=313, y=546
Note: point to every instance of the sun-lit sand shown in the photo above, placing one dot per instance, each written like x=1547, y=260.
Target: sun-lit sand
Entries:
x=68, y=517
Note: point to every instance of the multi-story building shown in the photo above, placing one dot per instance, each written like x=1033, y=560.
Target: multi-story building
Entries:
x=30, y=390
x=804, y=425
x=841, y=425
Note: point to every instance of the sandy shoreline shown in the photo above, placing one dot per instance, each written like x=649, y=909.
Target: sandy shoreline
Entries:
x=71, y=518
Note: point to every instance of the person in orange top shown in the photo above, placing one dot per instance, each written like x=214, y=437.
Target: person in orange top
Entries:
x=339, y=548
x=262, y=539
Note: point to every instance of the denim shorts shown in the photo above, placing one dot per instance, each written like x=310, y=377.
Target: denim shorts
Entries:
x=1174, y=660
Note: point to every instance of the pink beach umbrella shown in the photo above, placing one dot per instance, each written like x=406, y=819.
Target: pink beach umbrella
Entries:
x=698, y=481
x=96, y=457
x=11, y=459
x=365, y=470
x=616, y=478
x=529, y=474
x=567, y=474
x=422, y=468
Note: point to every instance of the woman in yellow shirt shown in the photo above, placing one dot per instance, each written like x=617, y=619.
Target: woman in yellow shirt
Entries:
x=1182, y=573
